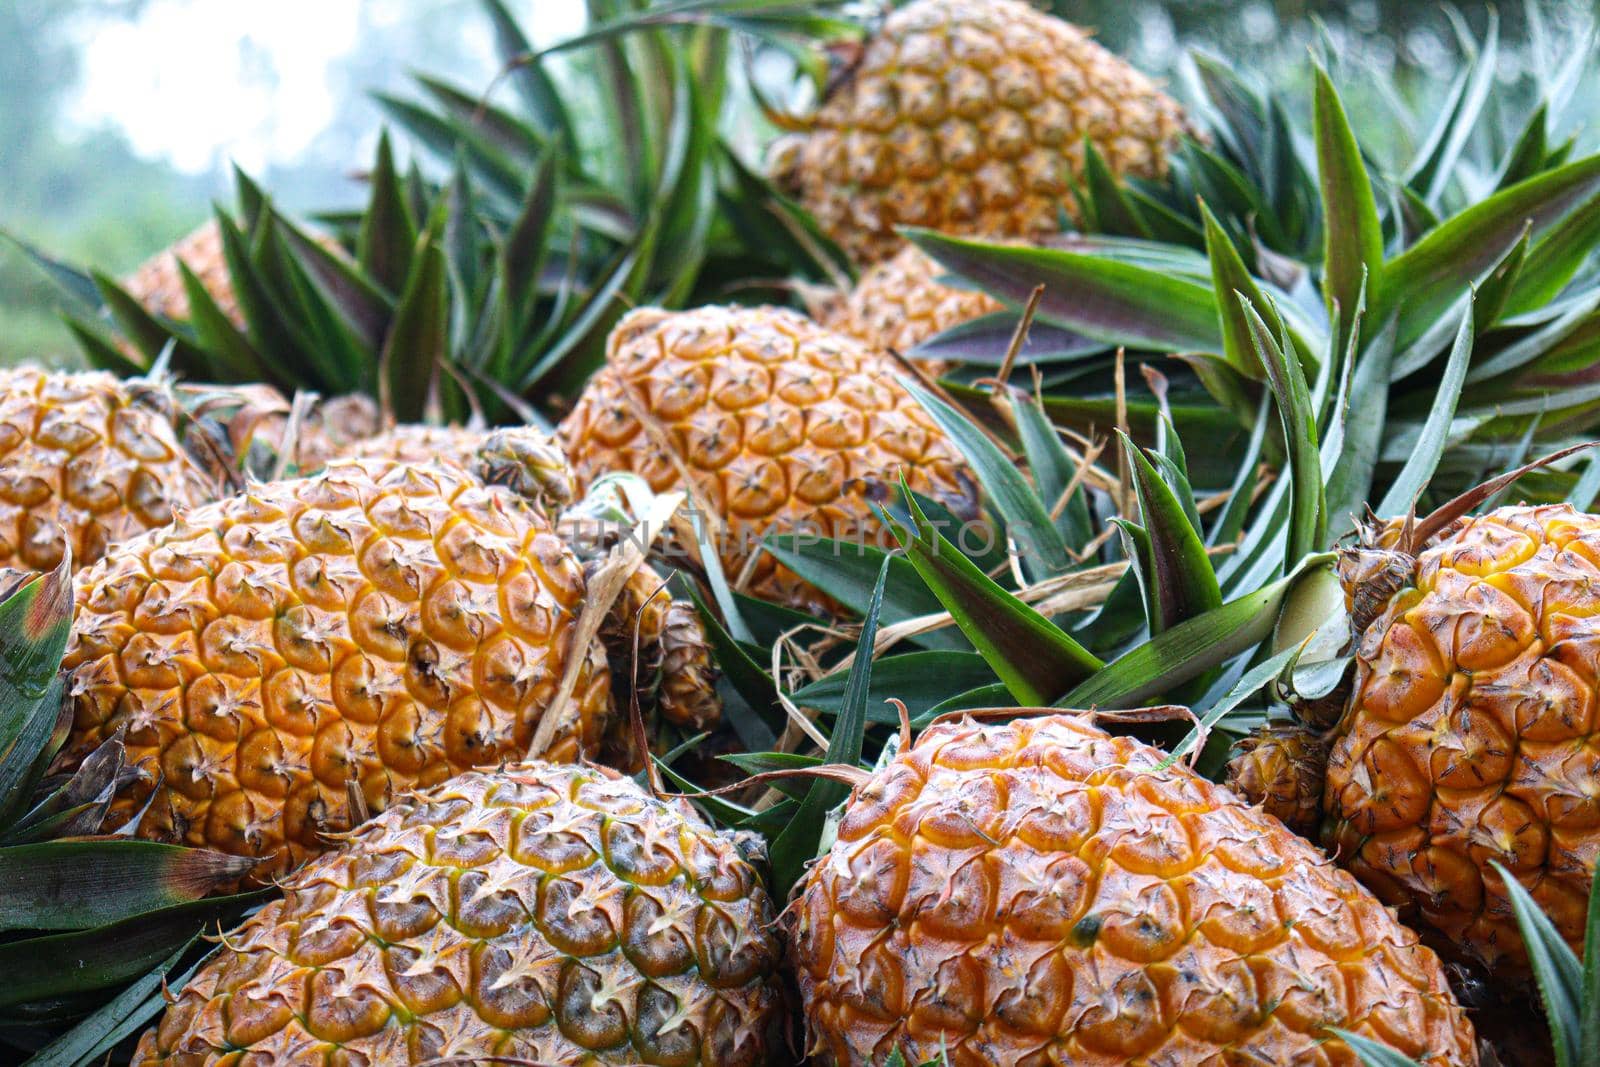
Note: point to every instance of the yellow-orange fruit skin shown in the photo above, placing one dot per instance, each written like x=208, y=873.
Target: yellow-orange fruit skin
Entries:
x=774, y=423
x=970, y=116
x=549, y=914
x=378, y=624
x=1039, y=893
x=83, y=465
x=157, y=283
x=901, y=302
x=419, y=443
x=1470, y=735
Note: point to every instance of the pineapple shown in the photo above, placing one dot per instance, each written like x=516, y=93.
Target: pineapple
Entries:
x=1041, y=892
x=373, y=629
x=549, y=914
x=1470, y=733
x=1281, y=768
x=418, y=443
x=158, y=283
x=86, y=461
x=773, y=422
x=902, y=302
x=970, y=116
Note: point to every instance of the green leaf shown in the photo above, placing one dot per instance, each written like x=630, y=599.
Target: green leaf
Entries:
x=528, y=77
x=1424, y=283
x=64, y=885
x=1183, y=582
x=1040, y=545
x=1034, y=658
x=847, y=573
x=797, y=844
x=1555, y=967
x=388, y=233
x=1371, y=1053
x=228, y=355
x=1584, y=492
x=1588, y=1035
x=923, y=680
x=1366, y=410
x=1186, y=651
x=1112, y=301
x=1437, y=162
x=95, y=1034
x=417, y=345
x=748, y=678
x=39, y=968
x=1113, y=211
x=1053, y=469
x=148, y=334
x=101, y=354
x=1352, y=235
x=1308, y=520
x=1424, y=460
x=1229, y=277
x=362, y=306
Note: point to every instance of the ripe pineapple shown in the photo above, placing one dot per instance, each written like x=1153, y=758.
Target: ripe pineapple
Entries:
x=1470, y=735
x=1041, y=892
x=901, y=302
x=550, y=914
x=383, y=625
x=86, y=461
x=969, y=116
x=774, y=422
x=418, y=443
x=158, y=285
x=1281, y=768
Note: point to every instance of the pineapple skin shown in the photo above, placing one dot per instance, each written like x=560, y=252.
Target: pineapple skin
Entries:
x=158, y=285
x=900, y=303
x=555, y=914
x=82, y=464
x=1281, y=769
x=418, y=443
x=1470, y=735
x=1038, y=892
x=968, y=116
x=775, y=422
x=381, y=623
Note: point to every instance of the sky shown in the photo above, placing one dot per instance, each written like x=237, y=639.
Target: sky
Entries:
x=202, y=82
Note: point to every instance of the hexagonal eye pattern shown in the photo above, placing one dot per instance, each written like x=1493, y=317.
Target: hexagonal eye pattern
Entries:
x=772, y=420
x=540, y=912
x=379, y=625
x=1039, y=892
x=1470, y=736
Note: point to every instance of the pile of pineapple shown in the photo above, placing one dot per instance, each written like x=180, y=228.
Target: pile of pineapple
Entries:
x=1144, y=609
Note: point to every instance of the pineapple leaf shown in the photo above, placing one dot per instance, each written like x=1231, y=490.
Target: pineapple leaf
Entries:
x=529, y=78
x=1588, y=1035
x=64, y=885
x=1352, y=236
x=35, y=622
x=148, y=334
x=986, y=341
x=1228, y=277
x=1555, y=967
x=228, y=355
x=1371, y=1053
x=117, y=1019
x=1181, y=582
x=1113, y=301
x=1430, y=445
x=1365, y=413
x=1053, y=469
x=417, y=345
x=846, y=572
x=1035, y=659
x=1027, y=518
x=1308, y=519
x=796, y=845
x=78, y=286
x=748, y=678
x=1436, y=163
x=356, y=299
x=1112, y=211
x=1584, y=492
x=388, y=233
x=1187, y=650
x=923, y=680
x=100, y=353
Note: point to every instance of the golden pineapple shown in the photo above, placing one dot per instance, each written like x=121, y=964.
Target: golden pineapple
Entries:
x=675, y=668
x=970, y=116
x=775, y=423
x=158, y=284
x=1471, y=731
x=548, y=914
x=1039, y=892
x=902, y=302
x=378, y=627
x=86, y=461
x=418, y=443
x=1281, y=768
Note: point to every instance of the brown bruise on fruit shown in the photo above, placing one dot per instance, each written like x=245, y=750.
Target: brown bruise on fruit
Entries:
x=1039, y=892
x=552, y=914
x=84, y=466
x=381, y=624
x=1471, y=732
x=777, y=422
x=969, y=116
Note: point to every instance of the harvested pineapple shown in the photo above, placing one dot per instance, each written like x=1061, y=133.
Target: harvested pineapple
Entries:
x=1041, y=892
x=158, y=282
x=87, y=461
x=902, y=302
x=370, y=630
x=970, y=116
x=771, y=422
x=553, y=914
